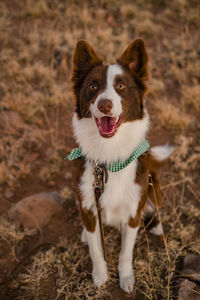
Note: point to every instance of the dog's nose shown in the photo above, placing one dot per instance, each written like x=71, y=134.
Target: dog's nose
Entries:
x=105, y=105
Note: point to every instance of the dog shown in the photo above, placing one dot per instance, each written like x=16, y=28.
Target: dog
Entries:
x=110, y=126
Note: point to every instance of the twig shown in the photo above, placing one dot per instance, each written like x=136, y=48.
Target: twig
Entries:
x=148, y=251
x=69, y=279
x=192, y=191
x=142, y=292
x=149, y=223
x=182, y=193
x=195, y=291
x=164, y=239
x=176, y=183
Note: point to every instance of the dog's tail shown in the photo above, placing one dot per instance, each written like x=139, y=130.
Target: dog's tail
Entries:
x=158, y=157
x=161, y=152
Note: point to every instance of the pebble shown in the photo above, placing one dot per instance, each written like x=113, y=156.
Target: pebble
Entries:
x=189, y=290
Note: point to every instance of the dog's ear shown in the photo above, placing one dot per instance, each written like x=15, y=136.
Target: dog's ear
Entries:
x=84, y=60
x=135, y=58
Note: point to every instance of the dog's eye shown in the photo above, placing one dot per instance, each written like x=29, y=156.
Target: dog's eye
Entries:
x=93, y=87
x=121, y=86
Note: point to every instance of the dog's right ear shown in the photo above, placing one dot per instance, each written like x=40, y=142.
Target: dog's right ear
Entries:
x=84, y=60
x=135, y=59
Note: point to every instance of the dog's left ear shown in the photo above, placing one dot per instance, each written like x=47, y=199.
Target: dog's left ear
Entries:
x=85, y=58
x=135, y=58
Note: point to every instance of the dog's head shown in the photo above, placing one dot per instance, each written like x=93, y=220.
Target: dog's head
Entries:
x=110, y=94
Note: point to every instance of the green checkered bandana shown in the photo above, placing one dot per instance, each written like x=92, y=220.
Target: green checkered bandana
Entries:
x=75, y=153
x=118, y=165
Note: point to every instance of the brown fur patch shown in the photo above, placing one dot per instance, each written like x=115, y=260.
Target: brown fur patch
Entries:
x=85, y=58
x=147, y=165
x=87, y=216
x=154, y=191
x=87, y=96
x=135, y=222
x=132, y=99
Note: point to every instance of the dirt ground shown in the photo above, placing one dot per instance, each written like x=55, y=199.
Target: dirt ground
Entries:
x=37, y=40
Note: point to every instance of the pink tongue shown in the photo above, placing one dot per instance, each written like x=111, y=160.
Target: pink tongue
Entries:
x=107, y=124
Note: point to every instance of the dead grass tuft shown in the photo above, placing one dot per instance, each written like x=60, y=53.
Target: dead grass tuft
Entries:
x=190, y=96
x=170, y=116
x=10, y=232
x=186, y=155
x=12, y=235
x=147, y=28
x=156, y=87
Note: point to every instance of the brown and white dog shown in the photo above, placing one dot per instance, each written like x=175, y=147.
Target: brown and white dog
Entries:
x=109, y=123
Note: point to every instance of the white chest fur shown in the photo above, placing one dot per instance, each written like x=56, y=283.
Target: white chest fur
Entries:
x=121, y=194
x=120, y=198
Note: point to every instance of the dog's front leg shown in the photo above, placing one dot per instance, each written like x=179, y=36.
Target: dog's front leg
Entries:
x=125, y=267
x=99, y=272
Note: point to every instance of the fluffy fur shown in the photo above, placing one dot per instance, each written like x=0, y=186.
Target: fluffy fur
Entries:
x=121, y=145
x=110, y=132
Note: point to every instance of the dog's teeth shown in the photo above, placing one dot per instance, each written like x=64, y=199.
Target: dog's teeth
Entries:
x=117, y=119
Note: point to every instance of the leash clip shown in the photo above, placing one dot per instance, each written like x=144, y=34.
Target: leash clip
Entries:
x=100, y=176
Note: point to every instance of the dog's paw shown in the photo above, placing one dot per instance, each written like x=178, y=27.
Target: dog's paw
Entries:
x=99, y=274
x=127, y=283
x=157, y=230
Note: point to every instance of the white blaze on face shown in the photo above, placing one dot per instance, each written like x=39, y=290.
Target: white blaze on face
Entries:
x=109, y=93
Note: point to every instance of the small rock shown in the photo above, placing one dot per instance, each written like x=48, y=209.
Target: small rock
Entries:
x=190, y=270
x=189, y=291
x=37, y=210
x=191, y=266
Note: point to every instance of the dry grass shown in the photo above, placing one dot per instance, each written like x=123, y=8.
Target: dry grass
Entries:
x=12, y=235
x=170, y=116
x=154, y=266
x=190, y=96
x=36, y=48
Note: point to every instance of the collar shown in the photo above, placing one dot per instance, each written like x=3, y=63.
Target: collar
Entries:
x=117, y=165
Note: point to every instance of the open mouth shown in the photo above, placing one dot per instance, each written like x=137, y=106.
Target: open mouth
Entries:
x=108, y=125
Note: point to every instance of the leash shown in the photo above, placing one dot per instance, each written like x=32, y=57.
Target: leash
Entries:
x=100, y=177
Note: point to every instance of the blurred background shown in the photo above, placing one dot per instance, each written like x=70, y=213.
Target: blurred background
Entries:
x=37, y=204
